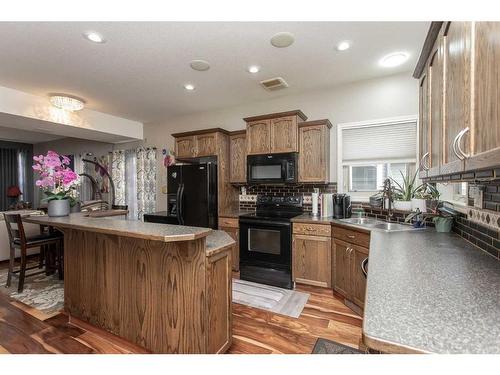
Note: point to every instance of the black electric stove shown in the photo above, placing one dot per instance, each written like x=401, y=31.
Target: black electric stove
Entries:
x=266, y=241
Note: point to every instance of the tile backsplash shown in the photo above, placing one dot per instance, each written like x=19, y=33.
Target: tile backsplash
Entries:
x=471, y=227
x=283, y=190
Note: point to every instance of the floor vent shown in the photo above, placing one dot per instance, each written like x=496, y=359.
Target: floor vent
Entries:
x=272, y=84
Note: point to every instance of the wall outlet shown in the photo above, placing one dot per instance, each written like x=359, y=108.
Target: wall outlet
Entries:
x=248, y=198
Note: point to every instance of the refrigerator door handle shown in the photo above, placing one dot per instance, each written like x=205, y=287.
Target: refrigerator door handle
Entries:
x=179, y=203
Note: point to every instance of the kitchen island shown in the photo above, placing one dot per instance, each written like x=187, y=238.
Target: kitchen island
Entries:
x=164, y=287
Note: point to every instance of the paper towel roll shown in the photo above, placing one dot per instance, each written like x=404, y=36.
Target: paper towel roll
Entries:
x=315, y=203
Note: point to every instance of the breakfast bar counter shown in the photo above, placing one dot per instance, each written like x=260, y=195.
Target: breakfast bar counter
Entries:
x=164, y=287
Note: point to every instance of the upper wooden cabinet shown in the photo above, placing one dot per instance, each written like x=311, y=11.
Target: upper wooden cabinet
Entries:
x=485, y=136
x=197, y=143
x=284, y=134
x=238, y=154
x=314, y=151
x=259, y=137
x=460, y=65
x=436, y=88
x=424, y=125
x=273, y=133
x=206, y=144
x=185, y=147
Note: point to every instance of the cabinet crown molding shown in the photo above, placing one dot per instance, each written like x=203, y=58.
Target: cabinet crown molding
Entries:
x=201, y=131
x=296, y=112
x=430, y=39
x=316, y=122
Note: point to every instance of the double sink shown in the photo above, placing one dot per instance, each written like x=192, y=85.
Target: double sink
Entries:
x=377, y=224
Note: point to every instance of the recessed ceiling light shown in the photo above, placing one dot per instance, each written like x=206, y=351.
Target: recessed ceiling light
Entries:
x=342, y=46
x=253, y=69
x=189, y=86
x=94, y=37
x=394, y=59
x=282, y=40
x=200, y=65
x=67, y=102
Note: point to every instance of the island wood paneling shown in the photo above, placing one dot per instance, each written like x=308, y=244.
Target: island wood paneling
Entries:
x=148, y=292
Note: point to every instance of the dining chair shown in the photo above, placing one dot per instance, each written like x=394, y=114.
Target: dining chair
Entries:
x=18, y=240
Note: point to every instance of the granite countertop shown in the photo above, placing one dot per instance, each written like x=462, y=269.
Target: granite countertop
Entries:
x=431, y=292
x=126, y=228
x=217, y=241
x=235, y=213
x=309, y=219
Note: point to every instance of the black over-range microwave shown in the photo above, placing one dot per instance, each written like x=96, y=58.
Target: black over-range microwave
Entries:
x=272, y=168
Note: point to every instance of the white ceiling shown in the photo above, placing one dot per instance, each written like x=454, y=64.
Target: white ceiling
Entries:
x=25, y=136
x=140, y=71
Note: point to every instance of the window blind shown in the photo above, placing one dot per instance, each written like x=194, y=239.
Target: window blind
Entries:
x=381, y=142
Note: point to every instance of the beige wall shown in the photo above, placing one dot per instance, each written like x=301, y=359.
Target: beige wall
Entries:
x=386, y=97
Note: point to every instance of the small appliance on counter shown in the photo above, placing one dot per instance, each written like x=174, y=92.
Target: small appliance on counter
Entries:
x=342, y=208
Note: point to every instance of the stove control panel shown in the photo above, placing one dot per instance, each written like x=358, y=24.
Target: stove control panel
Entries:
x=286, y=201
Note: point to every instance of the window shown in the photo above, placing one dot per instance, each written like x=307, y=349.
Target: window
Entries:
x=371, y=152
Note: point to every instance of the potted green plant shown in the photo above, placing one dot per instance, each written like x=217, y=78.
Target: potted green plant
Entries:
x=404, y=192
x=426, y=198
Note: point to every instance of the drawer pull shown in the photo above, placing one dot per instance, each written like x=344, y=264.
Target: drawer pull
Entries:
x=351, y=236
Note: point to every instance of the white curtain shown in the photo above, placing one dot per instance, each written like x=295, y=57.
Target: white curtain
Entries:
x=146, y=181
x=118, y=175
x=131, y=183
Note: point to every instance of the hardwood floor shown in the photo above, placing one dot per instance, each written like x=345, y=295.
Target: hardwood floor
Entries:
x=27, y=330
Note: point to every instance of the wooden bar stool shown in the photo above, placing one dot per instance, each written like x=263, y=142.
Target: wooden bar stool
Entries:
x=18, y=240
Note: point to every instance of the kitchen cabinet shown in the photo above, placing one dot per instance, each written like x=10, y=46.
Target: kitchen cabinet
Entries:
x=231, y=227
x=341, y=267
x=273, y=133
x=349, y=250
x=314, y=151
x=238, y=153
x=485, y=133
x=312, y=260
x=259, y=137
x=424, y=124
x=436, y=92
x=185, y=147
x=311, y=254
x=459, y=63
x=284, y=134
x=457, y=38
x=206, y=144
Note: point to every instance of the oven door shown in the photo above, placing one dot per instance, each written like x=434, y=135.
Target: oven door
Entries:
x=271, y=169
x=265, y=243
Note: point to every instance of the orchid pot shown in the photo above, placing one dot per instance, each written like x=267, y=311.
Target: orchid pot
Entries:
x=57, y=181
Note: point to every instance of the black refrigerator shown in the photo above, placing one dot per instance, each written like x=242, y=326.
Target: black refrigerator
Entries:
x=192, y=196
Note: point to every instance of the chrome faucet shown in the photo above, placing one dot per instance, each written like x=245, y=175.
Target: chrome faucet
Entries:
x=387, y=194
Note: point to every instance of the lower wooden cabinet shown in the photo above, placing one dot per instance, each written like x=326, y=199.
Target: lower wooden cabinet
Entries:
x=347, y=275
x=311, y=259
x=231, y=227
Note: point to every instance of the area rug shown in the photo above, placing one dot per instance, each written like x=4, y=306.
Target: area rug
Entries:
x=45, y=293
x=270, y=298
x=324, y=346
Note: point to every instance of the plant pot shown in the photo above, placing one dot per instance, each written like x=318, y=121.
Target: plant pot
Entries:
x=58, y=207
x=421, y=204
x=443, y=224
x=402, y=205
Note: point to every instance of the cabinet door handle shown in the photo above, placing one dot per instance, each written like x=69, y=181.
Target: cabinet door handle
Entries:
x=364, y=263
x=423, y=161
x=455, y=146
x=459, y=144
x=351, y=236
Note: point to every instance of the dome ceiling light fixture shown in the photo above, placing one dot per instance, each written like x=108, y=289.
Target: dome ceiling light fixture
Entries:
x=253, y=69
x=67, y=102
x=282, y=40
x=200, y=65
x=394, y=59
x=343, y=46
